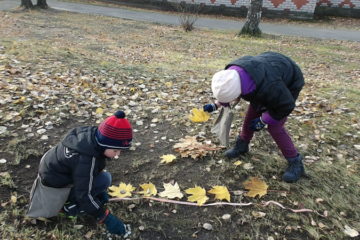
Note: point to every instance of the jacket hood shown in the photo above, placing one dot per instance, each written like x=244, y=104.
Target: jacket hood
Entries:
x=82, y=140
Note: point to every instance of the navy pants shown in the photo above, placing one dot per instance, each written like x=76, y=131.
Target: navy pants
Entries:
x=100, y=184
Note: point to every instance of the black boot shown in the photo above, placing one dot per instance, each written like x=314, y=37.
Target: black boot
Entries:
x=240, y=147
x=295, y=169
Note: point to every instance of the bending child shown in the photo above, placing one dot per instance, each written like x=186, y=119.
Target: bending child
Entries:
x=271, y=82
x=71, y=175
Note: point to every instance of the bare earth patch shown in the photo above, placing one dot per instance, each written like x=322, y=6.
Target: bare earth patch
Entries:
x=59, y=70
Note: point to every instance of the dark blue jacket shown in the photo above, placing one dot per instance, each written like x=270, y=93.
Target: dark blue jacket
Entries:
x=76, y=161
x=278, y=82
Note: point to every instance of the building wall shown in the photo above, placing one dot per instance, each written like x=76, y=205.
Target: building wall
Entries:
x=278, y=6
x=355, y=4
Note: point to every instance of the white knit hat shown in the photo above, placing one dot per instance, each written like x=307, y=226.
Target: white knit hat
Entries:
x=226, y=85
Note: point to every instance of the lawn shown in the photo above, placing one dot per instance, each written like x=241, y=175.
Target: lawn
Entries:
x=60, y=70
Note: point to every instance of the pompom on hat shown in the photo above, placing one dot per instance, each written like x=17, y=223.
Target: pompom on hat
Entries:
x=115, y=132
x=226, y=85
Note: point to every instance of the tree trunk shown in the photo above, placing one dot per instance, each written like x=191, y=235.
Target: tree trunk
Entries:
x=251, y=26
x=42, y=4
x=26, y=4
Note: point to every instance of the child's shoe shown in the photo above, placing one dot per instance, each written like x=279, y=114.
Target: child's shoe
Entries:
x=241, y=147
x=295, y=169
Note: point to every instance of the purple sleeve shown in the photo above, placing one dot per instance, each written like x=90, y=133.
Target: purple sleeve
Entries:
x=266, y=118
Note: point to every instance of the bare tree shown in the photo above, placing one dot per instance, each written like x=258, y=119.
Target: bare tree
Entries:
x=251, y=26
x=27, y=4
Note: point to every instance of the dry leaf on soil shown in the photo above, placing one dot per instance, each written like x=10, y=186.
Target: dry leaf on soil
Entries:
x=121, y=191
x=191, y=147
x=198, y=194
x=171, y=191
x=168, y=158
x=256, y=187
x=199, y=115
x=221, y=192
x=237, y=163
x=149, y=189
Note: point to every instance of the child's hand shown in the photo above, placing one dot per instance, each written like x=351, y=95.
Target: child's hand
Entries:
x=115, y=225
x=210, y=107
x=257, y=124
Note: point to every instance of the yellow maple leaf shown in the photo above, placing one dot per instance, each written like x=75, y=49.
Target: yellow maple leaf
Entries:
x=121, y=191
x=199, y=115
x=221, y=192
x=171, y=191
x=256, y=187
x=198, y=194
x=168, y=158
x=149, y=189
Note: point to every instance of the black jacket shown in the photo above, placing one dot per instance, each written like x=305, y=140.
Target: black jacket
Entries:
x=76, y=161
x=278, y=82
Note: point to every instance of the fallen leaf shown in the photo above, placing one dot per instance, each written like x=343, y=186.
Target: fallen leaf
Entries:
x=171, y=191
x=258, y=214
x=199, y=115
x=255, y=187
x=89, y=234
x=350, y=232
x=99, y=111
x=168, y=158
x=13, y=199
x=237, y=163
x=198, y=195
x=121, y=191
x=221, y=192
x=149, y=189
x=191, y=147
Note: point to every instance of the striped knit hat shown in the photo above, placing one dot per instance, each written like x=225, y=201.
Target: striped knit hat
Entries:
x=114, y=132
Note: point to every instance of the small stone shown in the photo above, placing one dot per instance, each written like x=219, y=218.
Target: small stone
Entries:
x=44, y=137
x=357, y=147
x=3, y=160
x=3, y=130
x=238, y=192
x=155, y=120
x=41, y=131
x=139, y=123
x=132, y=103
x=131, y=207
x=226, y=216
x=248, y=166
x=208, y=226
x=141, y=228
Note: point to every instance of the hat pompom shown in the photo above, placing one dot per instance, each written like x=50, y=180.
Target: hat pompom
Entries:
x=119, y=114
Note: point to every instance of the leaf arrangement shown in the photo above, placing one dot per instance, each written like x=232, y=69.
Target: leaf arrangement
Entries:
x=196, y=194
